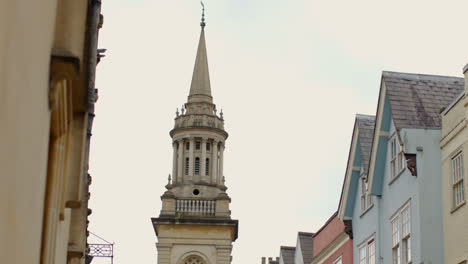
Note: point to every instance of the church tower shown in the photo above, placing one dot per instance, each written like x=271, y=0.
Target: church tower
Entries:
x=195, y=225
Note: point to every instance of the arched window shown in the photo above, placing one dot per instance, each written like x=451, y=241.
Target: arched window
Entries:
x=207, y=166
x=193, y=260
x=186, y=166
x=197, y=166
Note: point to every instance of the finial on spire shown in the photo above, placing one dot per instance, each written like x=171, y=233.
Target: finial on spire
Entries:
x=202, y=24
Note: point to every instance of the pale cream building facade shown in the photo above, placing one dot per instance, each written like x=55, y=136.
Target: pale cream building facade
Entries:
x=454, y=146
x=195, y=225
x=48, y=56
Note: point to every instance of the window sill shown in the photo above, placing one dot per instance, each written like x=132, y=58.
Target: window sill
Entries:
x=367, y=210
x=458, y=207
x=396, y=177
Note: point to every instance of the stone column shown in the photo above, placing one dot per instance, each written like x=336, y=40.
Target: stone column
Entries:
x=174, y=162
x=220, y=170
x=180, y=161
x=214, y=162
x=203, y=157
x=192, y=157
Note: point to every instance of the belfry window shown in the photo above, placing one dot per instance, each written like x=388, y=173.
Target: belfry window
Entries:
x=197, y=166
x=207, y=166
x=187, y=146
x=186, y=165
x=197, y=145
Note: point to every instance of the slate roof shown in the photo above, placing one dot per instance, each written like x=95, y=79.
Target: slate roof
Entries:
x=307, y=246
x=287, y=253
x=366, y=125
x=417, y=99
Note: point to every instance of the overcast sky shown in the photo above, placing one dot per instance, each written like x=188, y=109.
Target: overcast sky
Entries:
x=290, y=77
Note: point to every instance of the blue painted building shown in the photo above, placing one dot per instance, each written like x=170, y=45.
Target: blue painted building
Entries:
x=391, y=196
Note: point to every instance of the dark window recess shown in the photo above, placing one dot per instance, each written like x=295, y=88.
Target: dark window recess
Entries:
x=197, y=145
x=197, y=166
x=196, y=192
x=187, y=146
x=186, y=165
x=207, y=166
x=208, y=146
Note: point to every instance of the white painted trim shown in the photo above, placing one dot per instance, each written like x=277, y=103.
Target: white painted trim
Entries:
x=375, y=140
x=349, y=171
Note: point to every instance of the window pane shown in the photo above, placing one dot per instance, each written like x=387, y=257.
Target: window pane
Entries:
x=207, y=166
x=362, y=255
x=197, y=145
x=187, y=166
x=371, y=248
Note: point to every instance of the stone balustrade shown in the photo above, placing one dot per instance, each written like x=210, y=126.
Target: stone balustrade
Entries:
x=195, y=207
x=199, y=121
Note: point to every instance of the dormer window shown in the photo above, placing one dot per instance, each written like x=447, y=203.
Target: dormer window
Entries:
x=197, y=145
x=397, y=162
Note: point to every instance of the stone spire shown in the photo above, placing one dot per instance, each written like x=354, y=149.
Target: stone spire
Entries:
x=200, y=89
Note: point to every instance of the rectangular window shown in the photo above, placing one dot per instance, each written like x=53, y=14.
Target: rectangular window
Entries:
x=187, y=164
x=365, y=195
x=393, y=157
x=371, y=249
x=197, y=145
x=363, y=254
x=401, y=236
x=208, y=146
x=197, y=166
x=397, y=157
x=207, y=166
x=457, y=180
x=187, y=146
x=367, y=252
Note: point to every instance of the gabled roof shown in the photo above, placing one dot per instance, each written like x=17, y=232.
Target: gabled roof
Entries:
x=287, y=254
x=417, y=99
x=359, y=154
x=412, y=101
x=306, y=241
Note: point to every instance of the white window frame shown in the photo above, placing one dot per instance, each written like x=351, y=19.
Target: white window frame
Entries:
x=457, y=175
x=338, y=260
x=400, y=228
x=366, y=201
x=397, y=160
x=368, y=249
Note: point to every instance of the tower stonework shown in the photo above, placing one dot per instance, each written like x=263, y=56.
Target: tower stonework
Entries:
x=195, y=225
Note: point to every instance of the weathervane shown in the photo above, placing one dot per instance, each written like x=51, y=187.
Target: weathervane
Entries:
x=202, y=24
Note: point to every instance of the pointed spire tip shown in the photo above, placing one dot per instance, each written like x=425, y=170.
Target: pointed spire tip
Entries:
x=202, y=24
